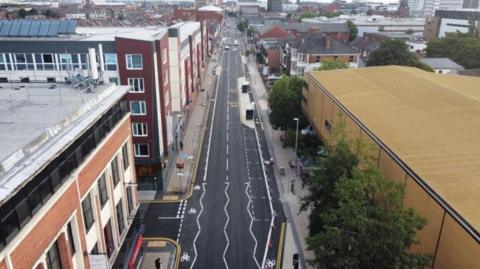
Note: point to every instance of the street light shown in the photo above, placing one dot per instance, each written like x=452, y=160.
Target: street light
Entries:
x=296, y=158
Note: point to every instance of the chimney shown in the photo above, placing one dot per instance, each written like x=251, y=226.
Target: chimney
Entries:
x=328, y=42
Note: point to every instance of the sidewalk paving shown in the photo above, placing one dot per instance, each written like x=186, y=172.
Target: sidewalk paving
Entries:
x=297, y=226
x=161, y=249
x=178, y=181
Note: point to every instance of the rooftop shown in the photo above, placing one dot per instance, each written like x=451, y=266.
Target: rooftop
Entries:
x=39, y=120
x=430, y=121
x=314, y=43
x=441, y=63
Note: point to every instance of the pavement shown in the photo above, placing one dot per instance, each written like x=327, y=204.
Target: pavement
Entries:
x=160, y=248
x=297, y=226
x=231, y=213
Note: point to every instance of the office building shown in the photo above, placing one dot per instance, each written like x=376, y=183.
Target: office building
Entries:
x=421, y=129
x=67, y=180
x=58, y=51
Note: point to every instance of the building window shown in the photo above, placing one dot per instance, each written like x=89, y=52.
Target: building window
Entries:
x=351, y=59
x=304, y=99
x=328, y=126
x=129, y=199
x=21, y=61
x=48, y=63
x=136, y=84
x=87, y=212
x=110, y=61
x=102, y=190
x=121, y=223
x=107, y=232
x=134, y=61
x=165, y=80
x=126, y=156
x=138, y=107
x=113, y=80
x=317, y=59
x=164, y=55
x=115, y=173
x=65, y=61
x=53, y=257
x=140, y=150
x=70, y=238
x=139, y=129
x=3, y=63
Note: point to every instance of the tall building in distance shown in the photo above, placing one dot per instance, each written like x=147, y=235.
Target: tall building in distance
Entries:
x=67, y=180
x=432, y=5
x=274, y=5
x=471, y=4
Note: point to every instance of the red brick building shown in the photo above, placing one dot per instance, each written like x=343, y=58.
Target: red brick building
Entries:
x=67, y=198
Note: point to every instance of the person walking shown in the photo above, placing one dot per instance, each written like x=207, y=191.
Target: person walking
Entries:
x=158, y=264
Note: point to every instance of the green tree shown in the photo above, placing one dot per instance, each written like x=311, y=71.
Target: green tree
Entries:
x=50, y=13
x=284, y=102
x=381, y=28
x=22, y=13
x=357, y=217
x=461, y=48
x=353, y=30
x=395, y=52
x=32, y=12
x=308, y=15
x=331, y=65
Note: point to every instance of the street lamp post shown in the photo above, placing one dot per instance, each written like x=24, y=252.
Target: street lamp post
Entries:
x=296, y=158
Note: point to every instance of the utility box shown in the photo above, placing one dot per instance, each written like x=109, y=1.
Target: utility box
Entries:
x=249, y=112
x=245, y=87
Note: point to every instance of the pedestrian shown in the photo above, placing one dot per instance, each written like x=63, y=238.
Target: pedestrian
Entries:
x=158, y=264
x=292, y=185
x=181, y=145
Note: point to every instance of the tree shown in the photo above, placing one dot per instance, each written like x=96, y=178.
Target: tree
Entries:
x=50, y=13
x=461, y=48
x=308, y=15
x=395, y=52
x=409, y=31
x=22, y=13
x=32, y=12
x=357, y=217
x=381, y=28
x=331, y=65
x=353, y=30
x=284, y=101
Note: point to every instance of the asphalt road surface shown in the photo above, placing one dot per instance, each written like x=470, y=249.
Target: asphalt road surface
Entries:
x=233, y=218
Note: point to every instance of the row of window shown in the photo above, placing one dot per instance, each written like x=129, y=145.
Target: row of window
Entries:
x=18, y=210
x=52, y=61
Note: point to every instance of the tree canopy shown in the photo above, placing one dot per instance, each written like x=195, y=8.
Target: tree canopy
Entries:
x=353, y=30
x=331, y=65
x=463, y=49
x=284, y=101
x=357, y=218
x=395, y=52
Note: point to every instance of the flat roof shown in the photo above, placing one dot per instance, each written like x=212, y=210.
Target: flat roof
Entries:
x=430, y=121
x=38, y=120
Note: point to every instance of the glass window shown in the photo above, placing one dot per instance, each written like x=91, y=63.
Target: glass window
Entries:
x=3, y=62
x=102, y=190
x=141, y=150
x=107, y=232
x=165, y=80
x=45, y=189
x=115, y=174
x=126, y=156
x=134, y=61
x=21, y=61
x=110, y=61
x=65, y=61
x=129, y=199
x=164, y=55
x=139, y=129
x=138, y=107
x=136, y=84
x=23, y=212
x=9, y=226
x=87, y=212
x=48, y=61
x=53, y=257
x=121, y=223
x=113, y=80
x=70, y=238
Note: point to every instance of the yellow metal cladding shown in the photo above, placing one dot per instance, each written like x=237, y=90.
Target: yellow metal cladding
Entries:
x=430, y=123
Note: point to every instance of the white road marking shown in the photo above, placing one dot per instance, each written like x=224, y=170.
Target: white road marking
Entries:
x=251, y=225
x=199, y=227
x=226, y=161
x=169, y=217
x=226, y=224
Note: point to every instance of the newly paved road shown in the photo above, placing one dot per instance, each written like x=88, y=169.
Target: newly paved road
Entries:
x=227, y=222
